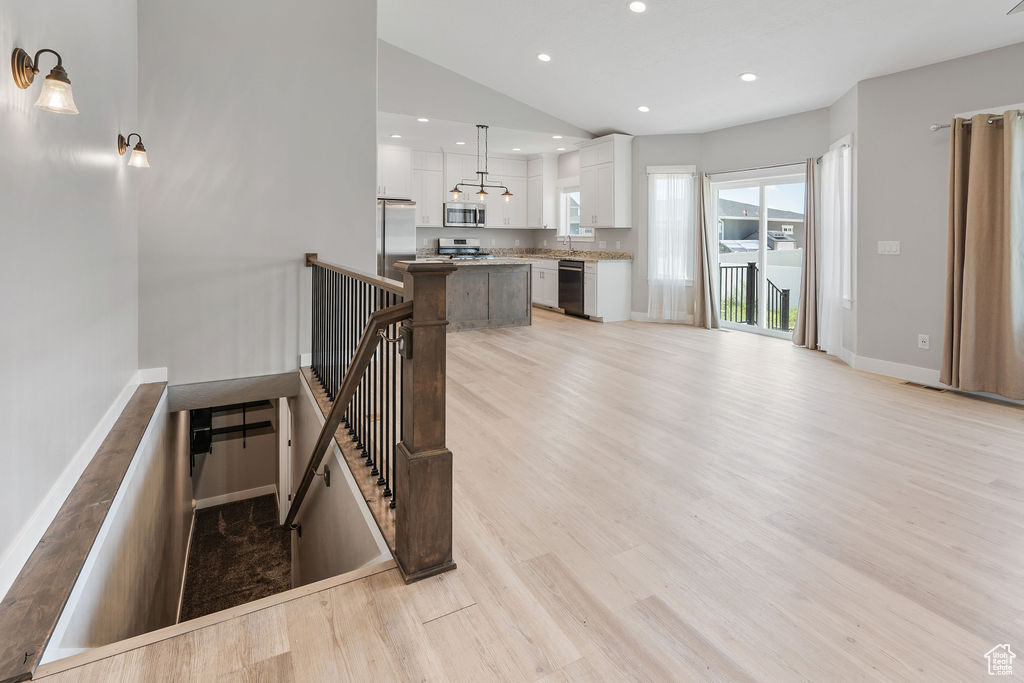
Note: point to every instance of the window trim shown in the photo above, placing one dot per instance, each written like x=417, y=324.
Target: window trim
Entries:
x=567, y=186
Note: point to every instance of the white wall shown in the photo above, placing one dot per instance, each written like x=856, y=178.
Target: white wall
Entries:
x=232, y=467
x=413, y=86
x=131, y=581
x=338, y=531
x=903, y=189
x=260, y=121
x=843, y=122
x=68, y=251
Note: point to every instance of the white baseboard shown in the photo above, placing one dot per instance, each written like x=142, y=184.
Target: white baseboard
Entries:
x=150, y=375
x=236, y=496
x=305, y=360
x=644, y=318
x=909, y=373
x=17, y=553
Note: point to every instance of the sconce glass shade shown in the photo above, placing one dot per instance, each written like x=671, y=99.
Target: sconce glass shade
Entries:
x=508, y=197
x=482, y=195
x=56, y=97
x=138, y=158
x=456, y=194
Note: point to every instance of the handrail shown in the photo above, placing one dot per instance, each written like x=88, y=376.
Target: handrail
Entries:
x=379, y=321
x=387, y=284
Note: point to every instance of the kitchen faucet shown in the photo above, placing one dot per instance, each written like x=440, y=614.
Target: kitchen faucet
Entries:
x=569, y=237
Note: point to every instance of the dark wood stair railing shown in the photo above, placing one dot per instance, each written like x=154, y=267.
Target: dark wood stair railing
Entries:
x=400, y=429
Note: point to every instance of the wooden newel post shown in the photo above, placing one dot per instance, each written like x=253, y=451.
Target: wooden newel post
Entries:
x=423, y=465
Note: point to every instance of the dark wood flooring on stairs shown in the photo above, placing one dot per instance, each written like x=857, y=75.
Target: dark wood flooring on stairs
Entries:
x=239, y=554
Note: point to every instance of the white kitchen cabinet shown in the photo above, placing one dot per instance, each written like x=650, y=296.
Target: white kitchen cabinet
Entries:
x=460, y=168
x=535, y=202
x=545, y=283
x=425, y=160
x=394, y=172
x=607, y=290
x=590, y=293
x=606, y=182
x=428, y=192
x=542, y=192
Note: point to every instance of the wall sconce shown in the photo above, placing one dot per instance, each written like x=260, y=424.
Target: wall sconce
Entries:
x=138, y=157
x=56, y=93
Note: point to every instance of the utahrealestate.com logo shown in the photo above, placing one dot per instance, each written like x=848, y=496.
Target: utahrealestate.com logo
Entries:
x=1000, y=660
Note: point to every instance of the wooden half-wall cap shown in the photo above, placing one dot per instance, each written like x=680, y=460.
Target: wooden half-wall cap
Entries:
x=311, y=258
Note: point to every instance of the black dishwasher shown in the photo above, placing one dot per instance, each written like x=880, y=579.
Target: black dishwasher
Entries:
x=570, y=287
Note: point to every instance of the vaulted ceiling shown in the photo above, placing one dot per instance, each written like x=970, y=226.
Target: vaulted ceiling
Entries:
x=682, y=58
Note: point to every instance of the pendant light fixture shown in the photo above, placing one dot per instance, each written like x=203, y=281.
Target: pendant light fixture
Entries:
x=56, y=93
x=481, y=171
x=138, y=158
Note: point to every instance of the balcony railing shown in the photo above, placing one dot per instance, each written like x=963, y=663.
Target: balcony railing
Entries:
x=738, y=292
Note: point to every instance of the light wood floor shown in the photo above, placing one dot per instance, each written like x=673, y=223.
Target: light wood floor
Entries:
x=664, y=503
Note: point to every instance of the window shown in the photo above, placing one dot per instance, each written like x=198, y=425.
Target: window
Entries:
x=569, y=218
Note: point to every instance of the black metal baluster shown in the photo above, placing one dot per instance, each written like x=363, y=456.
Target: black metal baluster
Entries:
x=372, y=303
x=315, y=331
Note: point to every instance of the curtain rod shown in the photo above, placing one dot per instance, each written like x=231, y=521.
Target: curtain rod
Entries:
x=768, y=168
x=992, y=119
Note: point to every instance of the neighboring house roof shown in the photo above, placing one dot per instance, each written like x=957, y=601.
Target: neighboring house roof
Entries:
x=727, y=208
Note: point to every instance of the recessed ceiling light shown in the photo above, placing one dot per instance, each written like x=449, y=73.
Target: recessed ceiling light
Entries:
x=423, y=120
x=637, y=6
x=395, y=135
x=748, y=76
x=544, y=57
x=560, y=149
x=643, y=108
x=460, y=142
x=556, y=137
x=516, y=149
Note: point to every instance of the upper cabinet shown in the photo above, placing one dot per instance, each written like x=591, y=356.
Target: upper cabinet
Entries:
x=394, y=172
x=542, y=192
x=606, y=166
x=428, y=189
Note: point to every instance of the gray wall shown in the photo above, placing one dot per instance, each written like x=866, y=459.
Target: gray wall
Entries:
x=68, y=251
x=132, y=580
x=261, y=131
x=232, y=467
x=903, y=190
x=337, y=535
x=413, y=86
x=766, y=143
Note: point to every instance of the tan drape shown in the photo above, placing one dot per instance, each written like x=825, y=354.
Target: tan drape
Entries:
x=984, y=340
x=705, y=304
x=806, y=332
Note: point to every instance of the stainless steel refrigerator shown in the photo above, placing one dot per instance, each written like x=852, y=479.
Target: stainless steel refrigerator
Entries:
x=396, y=235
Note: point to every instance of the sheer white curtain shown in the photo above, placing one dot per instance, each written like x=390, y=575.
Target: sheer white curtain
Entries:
x=834, y=246
x=670, y=241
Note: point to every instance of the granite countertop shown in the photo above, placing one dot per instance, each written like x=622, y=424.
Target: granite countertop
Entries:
x=513, y=256
x=503, y=261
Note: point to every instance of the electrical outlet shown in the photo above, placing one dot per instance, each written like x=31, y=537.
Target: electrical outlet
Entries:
x=924, y=342
x=545, y=243
x=517, y=243
x=492, y=242
x=426, y=241
x=889, y=248
x=618, y=244
x=602, y=244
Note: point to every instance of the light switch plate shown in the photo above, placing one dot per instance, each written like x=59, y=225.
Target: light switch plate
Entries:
x=924, y=342
x=618, y=244
x=517, y=243
x=889, y=248
x=603, y=244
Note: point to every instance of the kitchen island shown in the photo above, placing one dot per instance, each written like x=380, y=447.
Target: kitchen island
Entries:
x=487, y=293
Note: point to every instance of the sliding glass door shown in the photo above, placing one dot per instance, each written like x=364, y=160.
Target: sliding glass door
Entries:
x=760, y=252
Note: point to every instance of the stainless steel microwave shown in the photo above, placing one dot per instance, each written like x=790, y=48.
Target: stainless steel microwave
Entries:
x=464, y=215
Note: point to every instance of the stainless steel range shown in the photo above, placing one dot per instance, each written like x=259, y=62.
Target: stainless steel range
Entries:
x=461, y=249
